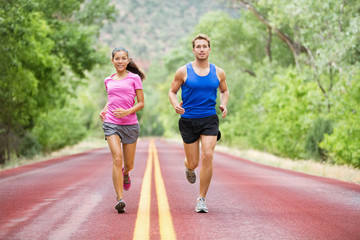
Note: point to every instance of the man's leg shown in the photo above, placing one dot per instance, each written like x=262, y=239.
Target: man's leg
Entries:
x=192, y=153
x=208, y=144
x=191, y=160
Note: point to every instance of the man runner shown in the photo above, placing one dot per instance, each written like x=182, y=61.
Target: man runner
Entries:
x=199, y=81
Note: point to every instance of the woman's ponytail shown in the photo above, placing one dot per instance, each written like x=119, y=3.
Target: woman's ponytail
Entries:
x=132, y=67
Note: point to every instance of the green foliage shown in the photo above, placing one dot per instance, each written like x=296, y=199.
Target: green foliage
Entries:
x=285, y=115
x=26, y=60
x=315, y=135
x=343, y=144
x=297, y=102
x=56, y=129
x=235, y=48
x=150, y=29
x=40, y=41
x=29, y=146
x=179, y=55
x=156, y=87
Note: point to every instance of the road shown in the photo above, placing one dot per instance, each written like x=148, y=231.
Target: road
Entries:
x=72, y=197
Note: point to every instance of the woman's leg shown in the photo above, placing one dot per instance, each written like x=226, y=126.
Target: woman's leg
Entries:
x=114, y=142
x=129, y=156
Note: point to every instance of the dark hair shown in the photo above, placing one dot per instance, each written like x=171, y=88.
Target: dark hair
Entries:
x=201, y=36
x=132, y=67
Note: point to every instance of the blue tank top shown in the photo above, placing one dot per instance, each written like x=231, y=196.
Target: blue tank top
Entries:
x=199, y=93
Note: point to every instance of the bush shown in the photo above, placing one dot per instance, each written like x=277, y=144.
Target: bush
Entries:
x=29, y=146
x=315, y=135
x=343, y=144
x=59, y=128
x=289, y=109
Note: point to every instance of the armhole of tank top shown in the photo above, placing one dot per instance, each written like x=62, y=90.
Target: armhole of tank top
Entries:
x=216, y=73
x=185, y=79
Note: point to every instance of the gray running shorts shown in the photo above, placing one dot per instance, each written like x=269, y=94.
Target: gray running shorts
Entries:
x=127, y=133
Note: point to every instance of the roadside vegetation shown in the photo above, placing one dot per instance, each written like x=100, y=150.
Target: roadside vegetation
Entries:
x=340, y=172
x=293, y=69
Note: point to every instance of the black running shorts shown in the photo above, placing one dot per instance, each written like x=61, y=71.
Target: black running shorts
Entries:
x=192, y=128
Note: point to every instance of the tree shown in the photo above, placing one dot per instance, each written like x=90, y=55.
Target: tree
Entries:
x=38, y=40
x=301, y=99
x=324, y=31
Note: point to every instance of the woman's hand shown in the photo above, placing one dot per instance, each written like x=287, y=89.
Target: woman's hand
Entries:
x=102, y=115
x=120, y=112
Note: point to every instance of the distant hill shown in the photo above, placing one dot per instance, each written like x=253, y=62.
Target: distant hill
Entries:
x=150, y=28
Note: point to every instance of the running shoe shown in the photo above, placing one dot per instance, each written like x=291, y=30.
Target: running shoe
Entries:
x=190, y=175
x=126, y=181
x=120, y=206
x=201, y=206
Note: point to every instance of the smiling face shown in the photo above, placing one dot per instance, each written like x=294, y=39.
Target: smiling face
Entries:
x=201, y=49
x=120, y=60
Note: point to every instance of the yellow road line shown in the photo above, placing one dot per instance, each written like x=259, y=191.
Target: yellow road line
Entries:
x=167, y=231
x=142, y=224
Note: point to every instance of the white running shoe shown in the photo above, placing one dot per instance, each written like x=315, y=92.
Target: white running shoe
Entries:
x=201, y=206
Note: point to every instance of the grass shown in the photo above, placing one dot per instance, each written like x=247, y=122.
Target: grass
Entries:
x=87, y=144
x=340, y=172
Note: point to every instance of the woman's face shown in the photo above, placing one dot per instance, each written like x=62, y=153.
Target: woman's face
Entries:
x=120, y=60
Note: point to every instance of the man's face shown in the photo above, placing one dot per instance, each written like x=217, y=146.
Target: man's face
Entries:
x=201, y=49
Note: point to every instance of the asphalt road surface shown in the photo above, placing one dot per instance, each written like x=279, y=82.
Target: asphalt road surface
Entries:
x=73, y=198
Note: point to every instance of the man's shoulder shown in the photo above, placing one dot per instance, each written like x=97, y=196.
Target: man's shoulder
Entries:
x=182, y=69
x=219, y=69
x=220, y=72
x=181, y=73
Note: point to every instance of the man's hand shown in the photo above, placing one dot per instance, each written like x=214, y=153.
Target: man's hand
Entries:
x=223, y=110
x=179, y=109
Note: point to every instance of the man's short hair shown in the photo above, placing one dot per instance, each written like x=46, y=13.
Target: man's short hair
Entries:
x=201, y=36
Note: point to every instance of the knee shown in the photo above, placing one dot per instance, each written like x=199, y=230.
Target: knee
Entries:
x=117, y=161
x=207, y=157
x=129, y=166
x=191, y=164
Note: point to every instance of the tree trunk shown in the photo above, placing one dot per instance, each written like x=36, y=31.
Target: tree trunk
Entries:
x=2, y=156
x=268, y=46
x=296, y=50
x=3, y=144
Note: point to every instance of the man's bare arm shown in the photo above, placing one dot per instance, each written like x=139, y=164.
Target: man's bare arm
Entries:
x=224, y=92
x=179, y=79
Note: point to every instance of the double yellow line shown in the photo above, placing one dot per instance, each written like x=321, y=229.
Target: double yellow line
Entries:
x=142, y=224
